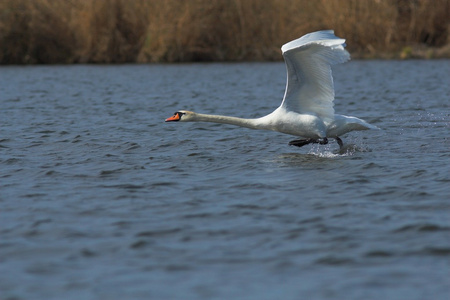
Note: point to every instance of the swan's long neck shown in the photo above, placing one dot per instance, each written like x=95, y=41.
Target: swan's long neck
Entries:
x=249, y=123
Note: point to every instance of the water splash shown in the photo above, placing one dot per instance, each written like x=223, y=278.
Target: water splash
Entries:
x=329, y=151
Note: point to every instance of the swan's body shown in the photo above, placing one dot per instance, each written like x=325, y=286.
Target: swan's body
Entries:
x=307, y=108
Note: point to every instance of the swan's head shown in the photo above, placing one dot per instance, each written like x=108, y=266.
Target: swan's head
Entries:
x=182, y=116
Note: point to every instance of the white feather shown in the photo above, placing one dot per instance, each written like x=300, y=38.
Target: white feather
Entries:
x=310, y=88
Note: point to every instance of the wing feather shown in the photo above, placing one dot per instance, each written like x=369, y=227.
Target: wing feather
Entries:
x=309, y=87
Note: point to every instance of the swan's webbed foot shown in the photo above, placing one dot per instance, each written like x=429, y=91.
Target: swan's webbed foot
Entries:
x=323, y=141
x=339, y=141
x=303, y=142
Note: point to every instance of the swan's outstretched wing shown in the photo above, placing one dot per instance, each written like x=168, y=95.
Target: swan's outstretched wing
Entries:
x=308, y=60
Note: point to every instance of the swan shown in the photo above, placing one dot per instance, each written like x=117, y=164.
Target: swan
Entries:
x=307, y=107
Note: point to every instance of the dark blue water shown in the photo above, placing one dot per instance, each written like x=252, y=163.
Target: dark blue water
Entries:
x=100, y=199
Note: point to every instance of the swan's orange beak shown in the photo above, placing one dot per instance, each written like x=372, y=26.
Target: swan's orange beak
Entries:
x=175, y=117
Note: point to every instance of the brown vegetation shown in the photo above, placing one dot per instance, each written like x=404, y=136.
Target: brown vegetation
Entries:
x=119, y=31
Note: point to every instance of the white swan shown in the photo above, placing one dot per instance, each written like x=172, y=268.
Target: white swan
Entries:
x=307, y=108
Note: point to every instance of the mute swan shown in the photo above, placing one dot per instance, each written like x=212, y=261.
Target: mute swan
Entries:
x=307, y=107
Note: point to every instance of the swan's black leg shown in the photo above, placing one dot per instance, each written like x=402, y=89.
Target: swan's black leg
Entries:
x=301, y=143
x=340, y=143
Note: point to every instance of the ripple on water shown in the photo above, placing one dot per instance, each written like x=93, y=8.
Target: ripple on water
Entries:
x=422, y=227
x=96, y=186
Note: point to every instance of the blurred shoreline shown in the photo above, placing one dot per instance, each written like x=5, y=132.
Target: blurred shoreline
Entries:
x=159, y=31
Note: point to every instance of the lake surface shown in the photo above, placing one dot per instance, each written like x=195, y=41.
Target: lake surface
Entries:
x=100, y=199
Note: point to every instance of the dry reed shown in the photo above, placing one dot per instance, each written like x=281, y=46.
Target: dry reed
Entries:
x=122, y=31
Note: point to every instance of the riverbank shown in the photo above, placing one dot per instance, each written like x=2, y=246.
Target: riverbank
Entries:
x=140, y=31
